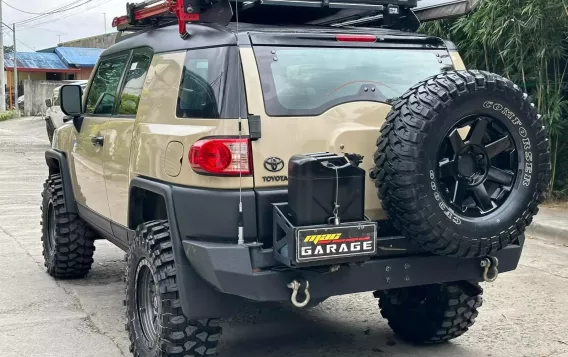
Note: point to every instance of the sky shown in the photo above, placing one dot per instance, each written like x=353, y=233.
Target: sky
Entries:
x=83, y=21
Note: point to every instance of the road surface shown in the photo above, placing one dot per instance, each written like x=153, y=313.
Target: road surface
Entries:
x=525, y=312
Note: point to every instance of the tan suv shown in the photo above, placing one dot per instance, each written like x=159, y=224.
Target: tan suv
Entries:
x=259, y=163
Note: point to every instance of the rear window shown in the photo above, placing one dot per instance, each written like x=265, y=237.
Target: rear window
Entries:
x=301, y=81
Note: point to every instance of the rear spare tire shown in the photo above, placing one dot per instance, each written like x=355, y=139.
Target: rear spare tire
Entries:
x=462, y=163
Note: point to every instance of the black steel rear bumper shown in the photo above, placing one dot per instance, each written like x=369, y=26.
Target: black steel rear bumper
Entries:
x=232, y=269
x=208, y=237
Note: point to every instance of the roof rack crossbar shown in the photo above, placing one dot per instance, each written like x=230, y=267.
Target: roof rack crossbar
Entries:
x=329, y=4
x=360, y=21
x=156, y=12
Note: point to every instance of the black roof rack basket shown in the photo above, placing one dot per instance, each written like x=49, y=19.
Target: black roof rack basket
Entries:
x=396, y=14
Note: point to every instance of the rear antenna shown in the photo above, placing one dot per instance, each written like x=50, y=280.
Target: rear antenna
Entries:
x=241, y=233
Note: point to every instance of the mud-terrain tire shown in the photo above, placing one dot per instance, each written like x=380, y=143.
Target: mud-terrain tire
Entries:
x=151, y=277
x=50, y=129
x=68, y=241
x=462, y=163
x=431, y=314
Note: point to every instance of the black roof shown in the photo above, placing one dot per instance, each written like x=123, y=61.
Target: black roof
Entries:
x=167, y=39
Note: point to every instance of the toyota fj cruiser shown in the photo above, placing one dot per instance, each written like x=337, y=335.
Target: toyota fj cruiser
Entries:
x=243, y=162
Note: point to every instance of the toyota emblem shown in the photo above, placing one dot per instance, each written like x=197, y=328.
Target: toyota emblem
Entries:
x=273, y=164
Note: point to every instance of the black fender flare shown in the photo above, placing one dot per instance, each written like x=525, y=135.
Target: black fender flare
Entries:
x=198, y=299
x=57, y=163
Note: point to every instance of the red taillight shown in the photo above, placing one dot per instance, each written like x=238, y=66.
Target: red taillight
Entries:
x=356, y=38
x=221, y=157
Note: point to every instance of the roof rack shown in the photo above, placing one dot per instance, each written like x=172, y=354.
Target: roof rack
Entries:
x=337, y=13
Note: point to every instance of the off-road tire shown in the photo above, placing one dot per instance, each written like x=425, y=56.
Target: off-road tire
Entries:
x=50, y=129
x=405, y=160
x=431, y=314
x=70, y=253
x=176, y=335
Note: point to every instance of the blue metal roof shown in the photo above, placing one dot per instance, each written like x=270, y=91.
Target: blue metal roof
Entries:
x=35, y=60
x=79, y=57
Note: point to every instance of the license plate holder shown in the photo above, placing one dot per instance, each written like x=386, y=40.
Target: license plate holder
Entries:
x=328, y=244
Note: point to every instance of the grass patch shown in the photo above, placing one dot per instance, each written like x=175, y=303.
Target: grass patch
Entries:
x=7, y=115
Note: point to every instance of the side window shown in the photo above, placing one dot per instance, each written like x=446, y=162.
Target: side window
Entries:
x=202, y=83
x=134, y=82
x=102, y=95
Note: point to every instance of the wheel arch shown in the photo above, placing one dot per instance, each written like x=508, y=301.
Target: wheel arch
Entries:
x=198, y=299
x=57, y=163
x=145, y=205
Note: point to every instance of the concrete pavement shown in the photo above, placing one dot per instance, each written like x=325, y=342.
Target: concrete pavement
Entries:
x=524, y=313
x=551, y=224
x=38, y=315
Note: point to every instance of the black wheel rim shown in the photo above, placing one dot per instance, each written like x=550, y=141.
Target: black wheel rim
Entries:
x=476, y=174
x=147, y=302
x=50, y=227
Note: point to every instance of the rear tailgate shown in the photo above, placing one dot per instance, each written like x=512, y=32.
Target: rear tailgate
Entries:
x=329, y=91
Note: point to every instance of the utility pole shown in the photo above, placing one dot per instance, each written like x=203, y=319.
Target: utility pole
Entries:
x=2, y=86
x=105, y=16
x=17, y=111
x=59, y=39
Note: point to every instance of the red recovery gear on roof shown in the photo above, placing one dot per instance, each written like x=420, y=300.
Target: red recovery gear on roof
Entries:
x=166, y=7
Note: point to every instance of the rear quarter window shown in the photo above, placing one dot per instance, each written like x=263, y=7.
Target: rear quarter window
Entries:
x=210, y=85
x=304, y=81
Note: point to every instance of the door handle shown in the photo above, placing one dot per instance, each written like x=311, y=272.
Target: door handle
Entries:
x=98, y=140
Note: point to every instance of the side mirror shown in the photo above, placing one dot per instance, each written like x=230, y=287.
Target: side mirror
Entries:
x=71, y=103
x=70, y=97
x=48, y=103
x=67, y=118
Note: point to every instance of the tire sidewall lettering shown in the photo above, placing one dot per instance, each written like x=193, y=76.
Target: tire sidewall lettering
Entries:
x=448, y=212
x=526, y=140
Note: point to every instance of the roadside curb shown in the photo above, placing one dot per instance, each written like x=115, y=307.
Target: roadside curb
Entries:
x=548, y=232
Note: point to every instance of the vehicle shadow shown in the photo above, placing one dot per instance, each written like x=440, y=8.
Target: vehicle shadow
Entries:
x=331, y=329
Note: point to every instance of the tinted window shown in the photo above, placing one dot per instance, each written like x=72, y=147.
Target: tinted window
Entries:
x=134, y=82
x=102, y=94
x=203, y=83
x=309, y=81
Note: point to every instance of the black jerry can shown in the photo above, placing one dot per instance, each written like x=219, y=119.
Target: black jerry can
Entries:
x=315, y=179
